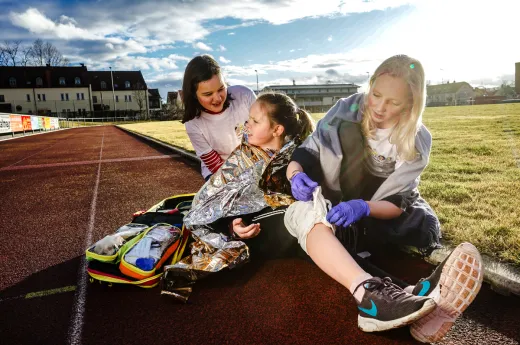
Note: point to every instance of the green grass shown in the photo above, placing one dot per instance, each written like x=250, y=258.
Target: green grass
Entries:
x=171, y=132
x=472, y=181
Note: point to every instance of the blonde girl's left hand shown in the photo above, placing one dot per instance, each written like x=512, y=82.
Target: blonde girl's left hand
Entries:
x=245, y=232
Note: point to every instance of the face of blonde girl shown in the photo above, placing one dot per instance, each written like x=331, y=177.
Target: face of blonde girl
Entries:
x=260, y=131
x=388, y=99
x=212, y=94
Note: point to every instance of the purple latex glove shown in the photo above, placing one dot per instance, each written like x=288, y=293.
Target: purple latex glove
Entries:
x=348, y=212
x=302, y=187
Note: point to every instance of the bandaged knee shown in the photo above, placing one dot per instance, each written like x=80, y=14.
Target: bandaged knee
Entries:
x=302, y=216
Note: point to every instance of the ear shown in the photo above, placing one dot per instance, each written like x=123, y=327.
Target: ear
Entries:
x=278, y=131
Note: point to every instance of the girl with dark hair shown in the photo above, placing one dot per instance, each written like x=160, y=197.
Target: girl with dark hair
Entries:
x=253, y=177
x=212, y=112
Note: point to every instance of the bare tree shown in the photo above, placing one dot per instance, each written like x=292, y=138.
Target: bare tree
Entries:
x=25, y=56
x=13, y=53
x=140, y=94
x=37, y=53
x=53, y=56
x=10, y=50
x=3, y=57
x=172, y=111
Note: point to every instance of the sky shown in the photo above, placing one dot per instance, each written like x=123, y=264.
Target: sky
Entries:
x=308, y=41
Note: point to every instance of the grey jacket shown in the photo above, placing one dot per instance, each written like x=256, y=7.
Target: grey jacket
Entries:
x=324, y=144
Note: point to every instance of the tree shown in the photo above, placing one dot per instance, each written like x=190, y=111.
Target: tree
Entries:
x=140, y=94
x=172, y=111
x=10, y=51
x=3, y=58
x=25, y=56
x=37, y=53
x=52, y=55
x=506, y=89
x=13, y=53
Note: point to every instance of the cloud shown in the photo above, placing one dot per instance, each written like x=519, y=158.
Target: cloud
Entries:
x=36, y=22
x=202, y=46
x=353, y=62
x=221, y=48
x=166, y=21
x=102, y=34
x=224, y=60
x=329, y=38
x=327, y=65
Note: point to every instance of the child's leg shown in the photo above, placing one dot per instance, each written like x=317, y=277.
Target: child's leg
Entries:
x=382, y=305
x=330, y=255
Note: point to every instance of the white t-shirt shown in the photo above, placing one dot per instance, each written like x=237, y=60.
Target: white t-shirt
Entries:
x=382, y=158
x=219, y=132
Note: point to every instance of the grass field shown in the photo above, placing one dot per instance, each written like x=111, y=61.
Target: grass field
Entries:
x=472, y=181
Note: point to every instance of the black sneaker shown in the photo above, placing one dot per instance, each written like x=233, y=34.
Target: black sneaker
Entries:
x=386, y=306
x=425, y=286
x=453, y=286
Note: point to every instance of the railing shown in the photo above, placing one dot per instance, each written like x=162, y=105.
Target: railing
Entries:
x=95, y=121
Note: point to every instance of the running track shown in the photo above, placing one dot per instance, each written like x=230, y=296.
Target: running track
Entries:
x=64, y=190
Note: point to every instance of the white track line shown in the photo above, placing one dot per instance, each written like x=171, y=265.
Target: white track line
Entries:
x=65, y=164
x=80, y=298
x=57, y=141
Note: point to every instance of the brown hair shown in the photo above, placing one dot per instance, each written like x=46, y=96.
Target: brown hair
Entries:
x=282, y=110
x=200, y=68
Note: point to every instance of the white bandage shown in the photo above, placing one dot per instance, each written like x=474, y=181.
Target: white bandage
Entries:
x=301, y=216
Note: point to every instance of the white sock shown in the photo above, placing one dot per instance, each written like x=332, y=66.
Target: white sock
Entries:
x=409, y=288
x=361, y=290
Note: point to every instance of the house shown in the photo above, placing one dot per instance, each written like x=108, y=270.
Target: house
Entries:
x=154, y=99
x=487, y=96
x=460, y=93
x=174, y=98
x=517, y=78
x=128, y=92
x=70, y=91
x=315, y=98
x=44, y=90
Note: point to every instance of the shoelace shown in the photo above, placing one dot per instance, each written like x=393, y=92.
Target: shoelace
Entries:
x=384, y=286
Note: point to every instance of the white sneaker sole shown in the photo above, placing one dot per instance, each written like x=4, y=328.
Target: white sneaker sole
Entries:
x=373, y=325
x=460, y=282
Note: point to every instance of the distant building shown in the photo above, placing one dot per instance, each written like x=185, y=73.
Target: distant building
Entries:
x=517, y=78
x=316, y=98
x=174, y=98
x=69, y=91
x=129, y=91
x=154, y=99
x=460, y=93
x=487, y=96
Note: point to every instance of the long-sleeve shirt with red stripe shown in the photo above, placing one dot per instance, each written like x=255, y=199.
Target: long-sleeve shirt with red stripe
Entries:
x=212, y=160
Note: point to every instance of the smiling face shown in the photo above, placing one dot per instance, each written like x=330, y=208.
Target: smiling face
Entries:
x=260, y=130
x=212, y=94
x=388, y=99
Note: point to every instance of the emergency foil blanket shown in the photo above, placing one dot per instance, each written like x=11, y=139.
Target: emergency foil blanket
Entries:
x=210, y=253
x=248, y=181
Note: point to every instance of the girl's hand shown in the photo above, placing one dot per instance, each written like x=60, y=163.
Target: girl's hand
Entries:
x=243, y=231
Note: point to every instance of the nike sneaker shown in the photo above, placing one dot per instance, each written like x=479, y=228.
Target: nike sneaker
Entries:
x=386, y=306
x=453, y=286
